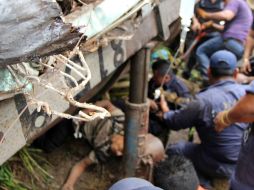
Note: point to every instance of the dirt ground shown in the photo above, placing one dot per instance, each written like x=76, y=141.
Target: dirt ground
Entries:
x=99, y=177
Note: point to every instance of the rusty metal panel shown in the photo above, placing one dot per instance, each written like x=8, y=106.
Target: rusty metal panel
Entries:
x=102, y=63
x=167, y=12
x=31, y=29
x=14, y=137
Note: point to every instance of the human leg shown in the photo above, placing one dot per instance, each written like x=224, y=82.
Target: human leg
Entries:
x=235, y=47
x=205, y=50
x=184, y=148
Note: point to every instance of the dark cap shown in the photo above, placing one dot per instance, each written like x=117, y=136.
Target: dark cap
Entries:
x=224, y=60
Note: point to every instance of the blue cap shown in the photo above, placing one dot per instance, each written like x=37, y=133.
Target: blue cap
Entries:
x=133, y=183
x=223, y=59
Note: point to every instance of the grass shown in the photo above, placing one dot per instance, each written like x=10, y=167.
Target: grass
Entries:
x=32, y=164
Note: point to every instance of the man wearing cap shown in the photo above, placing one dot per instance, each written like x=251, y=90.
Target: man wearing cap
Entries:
x=243, y=111
x=164, y=77
x=216, y=155
x=238, y=19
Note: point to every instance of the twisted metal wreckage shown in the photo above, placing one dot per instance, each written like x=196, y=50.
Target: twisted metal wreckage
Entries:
x=39, y=85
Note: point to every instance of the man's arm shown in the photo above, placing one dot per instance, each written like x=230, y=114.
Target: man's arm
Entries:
x=226, y=15
x=211, y=24
x=246, y=67
x=183, y=118
x=76, y=172
x=243, y=111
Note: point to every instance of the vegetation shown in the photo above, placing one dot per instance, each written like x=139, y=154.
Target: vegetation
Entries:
x=32, y=162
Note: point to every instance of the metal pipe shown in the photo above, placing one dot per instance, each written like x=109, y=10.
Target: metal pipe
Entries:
x=136, y=125
x=139, y=77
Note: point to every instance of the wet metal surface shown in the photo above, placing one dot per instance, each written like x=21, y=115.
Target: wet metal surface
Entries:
x=31, y=29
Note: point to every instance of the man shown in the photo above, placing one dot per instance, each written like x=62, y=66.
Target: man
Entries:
x=201, y=31
x=176, y=172
x=209, y=6
x=243, y=111
x=246, y=66
x=104, y=135
x=106, y=139
x=173, y=86
x=164, y=77
x=238, y=19
x=217, y=154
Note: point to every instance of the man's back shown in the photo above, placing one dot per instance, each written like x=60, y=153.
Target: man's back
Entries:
x=224, y=146
x=239, y=26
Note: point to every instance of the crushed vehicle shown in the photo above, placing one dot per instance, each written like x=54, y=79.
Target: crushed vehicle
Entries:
x=56, y=55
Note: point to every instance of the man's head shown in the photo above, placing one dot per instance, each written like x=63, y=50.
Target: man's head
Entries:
x=223, y=63
x=161, y=69
x=117, y=144
x=176, y=172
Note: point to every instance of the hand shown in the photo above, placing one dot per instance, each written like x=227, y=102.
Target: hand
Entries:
x=242, y=78
x=207, y=24
x=202, y=13
x=67, y=187
x=164, y=104
x=219, y=121
x=153, y=105
x=196, y=26
x=160, y=115
x=246, y=67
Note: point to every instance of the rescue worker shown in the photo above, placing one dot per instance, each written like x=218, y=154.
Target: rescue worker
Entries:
x=201, y=30
x=209, y=6
x=238, y=19
x=216, y=155
x=243, y=111
x=163, y=76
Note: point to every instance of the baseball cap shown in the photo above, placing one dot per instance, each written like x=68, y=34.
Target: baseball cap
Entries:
x=133, y=183
x=224, y=60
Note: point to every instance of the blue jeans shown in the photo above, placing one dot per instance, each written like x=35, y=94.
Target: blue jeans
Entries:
x=206, y=49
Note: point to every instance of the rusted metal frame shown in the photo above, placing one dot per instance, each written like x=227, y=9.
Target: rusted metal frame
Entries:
x=136, y=125
x=107, y=61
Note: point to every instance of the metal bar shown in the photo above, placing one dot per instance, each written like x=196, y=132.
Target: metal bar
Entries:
x=136, y=114
x=138, y=78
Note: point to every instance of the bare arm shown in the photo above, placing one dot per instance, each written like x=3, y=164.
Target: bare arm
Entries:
x=196, y=26
x=243, y=111
x=247, y=52
x=226, y=15
x=211, y=24
x=106, y=104
x=76, y=172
